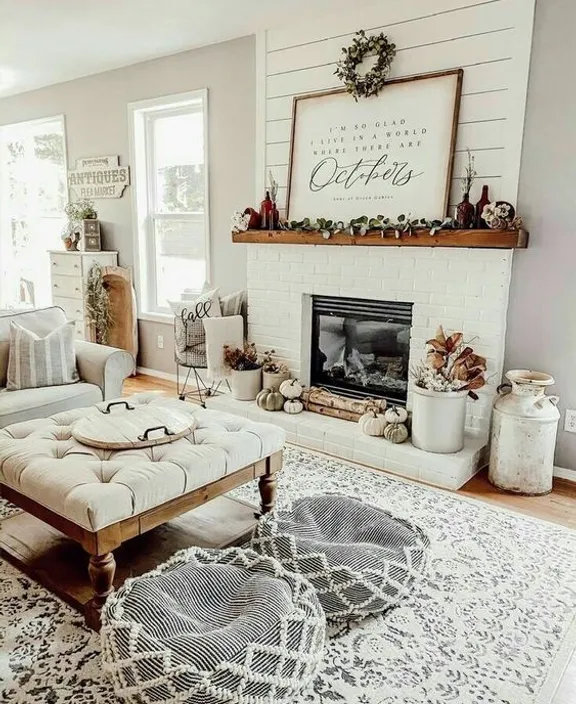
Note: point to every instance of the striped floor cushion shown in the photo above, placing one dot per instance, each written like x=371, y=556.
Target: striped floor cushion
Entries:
x=360, y=559
x=213, y=626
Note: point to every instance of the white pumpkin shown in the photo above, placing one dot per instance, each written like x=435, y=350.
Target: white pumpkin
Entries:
x=372, y=423
x=293, y=405
x=291, y=388
x=396, y=414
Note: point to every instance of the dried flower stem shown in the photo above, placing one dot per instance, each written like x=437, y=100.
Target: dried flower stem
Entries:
x=470, y=174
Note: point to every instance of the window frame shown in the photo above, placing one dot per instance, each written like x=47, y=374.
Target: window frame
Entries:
x=141, y=117
x=17, y=127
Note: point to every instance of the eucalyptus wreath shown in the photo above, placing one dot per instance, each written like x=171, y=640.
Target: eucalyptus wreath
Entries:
x=361, y=48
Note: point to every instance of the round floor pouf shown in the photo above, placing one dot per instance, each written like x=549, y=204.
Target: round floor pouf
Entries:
x=213, y=626
x=361, y=560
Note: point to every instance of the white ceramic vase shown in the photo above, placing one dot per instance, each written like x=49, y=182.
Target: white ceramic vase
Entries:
x=273, y=381
x=438, y=420
x=524, y=427
x=246, y=385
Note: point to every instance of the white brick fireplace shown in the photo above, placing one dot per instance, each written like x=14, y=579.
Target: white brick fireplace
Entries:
x=462, y=289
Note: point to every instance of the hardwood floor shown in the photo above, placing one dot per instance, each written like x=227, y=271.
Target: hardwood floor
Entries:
x=139, y=383
x=557, y=507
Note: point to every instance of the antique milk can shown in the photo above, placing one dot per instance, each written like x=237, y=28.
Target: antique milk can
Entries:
x=524, y=426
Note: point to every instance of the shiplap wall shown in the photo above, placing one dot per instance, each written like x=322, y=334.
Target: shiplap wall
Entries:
x=489, y=39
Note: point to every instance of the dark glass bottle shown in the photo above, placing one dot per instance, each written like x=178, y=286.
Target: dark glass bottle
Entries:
x=266, y=212
x=465, y=213
x=480, y=205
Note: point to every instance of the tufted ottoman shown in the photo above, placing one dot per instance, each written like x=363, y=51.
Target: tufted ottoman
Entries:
x=101, y=498
x=212, y=626
x=360, y=559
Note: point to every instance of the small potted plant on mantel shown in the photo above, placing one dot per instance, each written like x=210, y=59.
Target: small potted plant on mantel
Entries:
x=246, y=371
x=450, y=373
x=273, y=372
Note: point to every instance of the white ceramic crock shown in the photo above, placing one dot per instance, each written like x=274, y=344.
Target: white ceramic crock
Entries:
x=246, y=385
x=438, y=420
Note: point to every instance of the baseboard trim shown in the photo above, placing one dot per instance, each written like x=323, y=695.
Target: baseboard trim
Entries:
x=168, y=377
x=156, y=373
x=563, y=473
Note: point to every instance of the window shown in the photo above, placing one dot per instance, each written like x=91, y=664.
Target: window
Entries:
x=169, y=153
x=32, y=198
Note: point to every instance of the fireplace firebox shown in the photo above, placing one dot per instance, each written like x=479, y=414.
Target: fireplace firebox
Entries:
x=360, y=347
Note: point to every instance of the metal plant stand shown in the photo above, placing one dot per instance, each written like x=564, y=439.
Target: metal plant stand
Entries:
x=196, y=388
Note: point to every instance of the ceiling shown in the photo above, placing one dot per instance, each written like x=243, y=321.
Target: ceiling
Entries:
x=49, y=41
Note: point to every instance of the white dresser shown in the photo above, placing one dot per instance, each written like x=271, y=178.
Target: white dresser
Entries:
x=69, y=274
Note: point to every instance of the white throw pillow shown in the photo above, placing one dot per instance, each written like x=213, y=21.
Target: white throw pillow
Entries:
x=228, y=330
x=41, y=361
x=189, y=334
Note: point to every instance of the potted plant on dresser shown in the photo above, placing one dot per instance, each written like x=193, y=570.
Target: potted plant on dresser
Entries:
x=245, y=371
x=273, y=372
x=76, y=212
x=450, y=373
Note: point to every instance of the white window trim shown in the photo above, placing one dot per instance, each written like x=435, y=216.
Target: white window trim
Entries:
x=141, y=197
x=17, y=126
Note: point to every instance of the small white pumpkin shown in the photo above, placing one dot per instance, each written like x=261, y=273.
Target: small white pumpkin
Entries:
x=396, y=414
x=239, y=221
x=291, y=388
x=372, y=423
x=396, y=433
x=293, y=405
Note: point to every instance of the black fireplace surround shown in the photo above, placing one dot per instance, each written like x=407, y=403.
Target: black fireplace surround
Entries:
x=361, y=347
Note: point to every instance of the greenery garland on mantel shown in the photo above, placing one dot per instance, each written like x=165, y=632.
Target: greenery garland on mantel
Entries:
x=402, y=224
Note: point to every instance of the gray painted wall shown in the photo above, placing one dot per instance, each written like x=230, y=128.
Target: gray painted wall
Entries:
x=95, y=108
x=541, y=323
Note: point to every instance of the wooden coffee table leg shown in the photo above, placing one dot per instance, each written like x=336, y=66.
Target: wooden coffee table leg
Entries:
x=101, y=569
x=267, y=486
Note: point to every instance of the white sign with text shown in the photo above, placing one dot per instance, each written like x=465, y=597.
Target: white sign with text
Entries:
x=385, y=155
x=98, y=177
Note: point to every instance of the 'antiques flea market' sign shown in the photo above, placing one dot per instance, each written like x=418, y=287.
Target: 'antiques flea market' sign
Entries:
x=99, y=177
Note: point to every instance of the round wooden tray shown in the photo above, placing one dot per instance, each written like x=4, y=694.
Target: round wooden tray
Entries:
x=132, y=427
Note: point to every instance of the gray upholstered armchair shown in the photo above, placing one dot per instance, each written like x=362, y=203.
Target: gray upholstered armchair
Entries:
x=102, y=372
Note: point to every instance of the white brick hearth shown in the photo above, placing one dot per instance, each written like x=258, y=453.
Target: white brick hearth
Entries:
x=343, y=439
x=462, y=289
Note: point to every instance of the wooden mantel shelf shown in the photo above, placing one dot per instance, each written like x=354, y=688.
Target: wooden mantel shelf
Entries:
x=484, y=239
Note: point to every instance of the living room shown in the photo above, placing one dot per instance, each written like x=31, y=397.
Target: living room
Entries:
x=259, y=442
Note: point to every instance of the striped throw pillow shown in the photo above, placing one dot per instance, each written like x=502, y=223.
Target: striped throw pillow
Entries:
x=41, y=361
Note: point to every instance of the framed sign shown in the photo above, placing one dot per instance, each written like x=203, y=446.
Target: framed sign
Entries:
x=98, y=177
x=388, y=154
